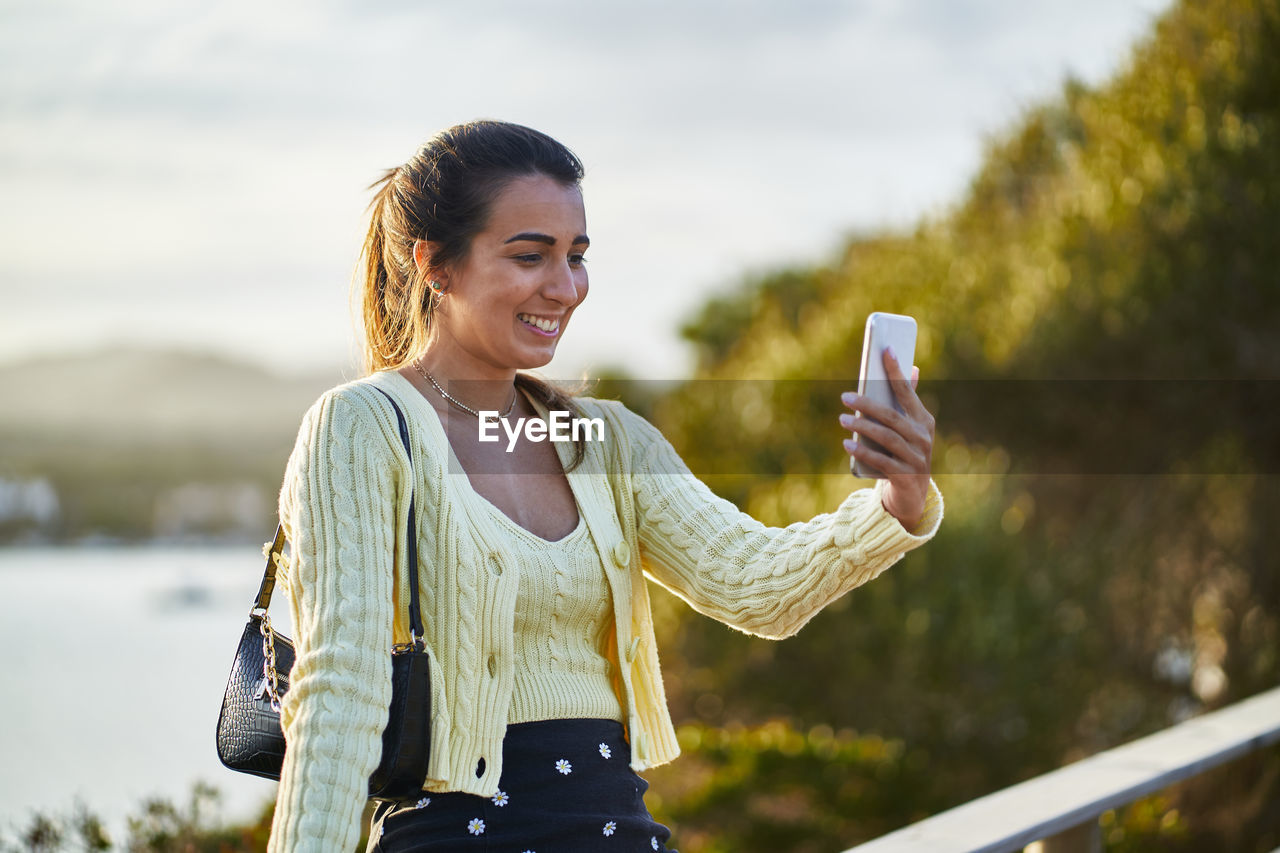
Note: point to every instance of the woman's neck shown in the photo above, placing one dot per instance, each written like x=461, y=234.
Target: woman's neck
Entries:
x=477, y=386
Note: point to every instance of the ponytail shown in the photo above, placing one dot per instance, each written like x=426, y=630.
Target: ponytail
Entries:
x=393, y=330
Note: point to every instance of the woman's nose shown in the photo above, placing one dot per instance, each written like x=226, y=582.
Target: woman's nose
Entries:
x=564, y=286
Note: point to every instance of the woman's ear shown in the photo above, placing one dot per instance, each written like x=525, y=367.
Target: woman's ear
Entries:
x=423, y=252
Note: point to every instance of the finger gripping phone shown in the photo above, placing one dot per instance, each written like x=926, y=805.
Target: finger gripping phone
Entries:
x=883, y=330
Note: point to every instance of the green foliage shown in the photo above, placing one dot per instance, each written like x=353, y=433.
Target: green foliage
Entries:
x=158, y=826
x=773, y=787
x=1106, y=567
x=781, y=297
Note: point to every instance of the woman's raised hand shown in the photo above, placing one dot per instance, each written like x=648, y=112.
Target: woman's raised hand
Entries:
x=907, y=436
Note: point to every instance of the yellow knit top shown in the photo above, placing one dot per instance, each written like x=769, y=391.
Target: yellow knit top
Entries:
x=562, y=627
x=344, y=504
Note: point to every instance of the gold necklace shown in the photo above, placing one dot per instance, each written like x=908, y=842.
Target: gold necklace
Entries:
x=455, y=401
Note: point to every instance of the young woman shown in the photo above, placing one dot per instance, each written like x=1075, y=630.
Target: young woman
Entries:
x=534, y=555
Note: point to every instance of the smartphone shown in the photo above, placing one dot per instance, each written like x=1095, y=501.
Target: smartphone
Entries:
x=883, y=330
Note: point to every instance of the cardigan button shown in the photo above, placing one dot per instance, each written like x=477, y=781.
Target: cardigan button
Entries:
x=495, y=565
x=631, y=652
x=493, y=666
x=622, y=553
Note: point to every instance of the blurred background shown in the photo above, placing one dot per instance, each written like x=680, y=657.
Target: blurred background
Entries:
x=1068, y=196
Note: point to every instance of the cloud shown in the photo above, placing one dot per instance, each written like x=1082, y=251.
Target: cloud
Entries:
x=147, y=145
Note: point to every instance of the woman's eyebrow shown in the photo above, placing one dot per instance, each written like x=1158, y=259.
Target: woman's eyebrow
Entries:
x=535, y=237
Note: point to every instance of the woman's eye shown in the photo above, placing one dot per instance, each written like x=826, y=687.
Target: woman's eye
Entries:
x=529, y=259
x=577, y=260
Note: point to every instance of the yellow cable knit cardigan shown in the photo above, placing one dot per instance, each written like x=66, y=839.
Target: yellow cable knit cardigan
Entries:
x=344, y=504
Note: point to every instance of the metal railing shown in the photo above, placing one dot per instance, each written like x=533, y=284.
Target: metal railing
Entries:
x=1060, y=810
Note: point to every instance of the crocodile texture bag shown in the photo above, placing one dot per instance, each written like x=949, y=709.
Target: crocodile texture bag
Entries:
x=250, y=739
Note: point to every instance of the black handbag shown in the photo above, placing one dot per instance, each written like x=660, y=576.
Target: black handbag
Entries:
x=250, y=739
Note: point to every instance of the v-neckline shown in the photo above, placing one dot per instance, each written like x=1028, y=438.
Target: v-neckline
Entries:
x=521, y=529
x=436, y=426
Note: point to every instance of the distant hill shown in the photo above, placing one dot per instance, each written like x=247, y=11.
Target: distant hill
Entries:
x=152, y=394
x=131, y=443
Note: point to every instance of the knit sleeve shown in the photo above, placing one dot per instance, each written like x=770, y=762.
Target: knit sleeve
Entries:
x=338, y=506
x=766, y=581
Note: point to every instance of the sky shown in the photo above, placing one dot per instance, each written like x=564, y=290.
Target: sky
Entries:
x=194, y=175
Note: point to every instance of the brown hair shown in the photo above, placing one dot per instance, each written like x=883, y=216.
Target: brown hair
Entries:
x=443, y=195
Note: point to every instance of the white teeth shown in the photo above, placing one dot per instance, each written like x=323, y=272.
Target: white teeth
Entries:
x=544, y=325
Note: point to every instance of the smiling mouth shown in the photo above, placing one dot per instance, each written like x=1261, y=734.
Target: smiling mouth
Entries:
x=545, y=326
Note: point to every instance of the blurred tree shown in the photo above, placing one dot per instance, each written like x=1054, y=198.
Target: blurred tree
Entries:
x=1099, y=320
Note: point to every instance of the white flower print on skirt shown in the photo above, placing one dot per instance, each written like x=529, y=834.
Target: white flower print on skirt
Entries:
x=566, y=786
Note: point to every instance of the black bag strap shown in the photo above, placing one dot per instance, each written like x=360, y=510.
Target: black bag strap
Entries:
x=263, y=599
x=415, y=612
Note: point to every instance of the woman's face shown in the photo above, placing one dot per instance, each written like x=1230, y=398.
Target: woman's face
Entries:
x=509, y=300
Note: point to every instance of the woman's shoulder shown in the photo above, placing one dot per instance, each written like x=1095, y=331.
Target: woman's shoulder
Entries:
x=629, y=427
x=382, y=391
x=368, y=405
x=614, y=411
x=362, y=390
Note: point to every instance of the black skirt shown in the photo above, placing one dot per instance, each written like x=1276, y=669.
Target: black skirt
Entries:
x=566, y=786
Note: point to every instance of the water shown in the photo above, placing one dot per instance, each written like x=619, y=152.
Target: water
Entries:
x=116, y=660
